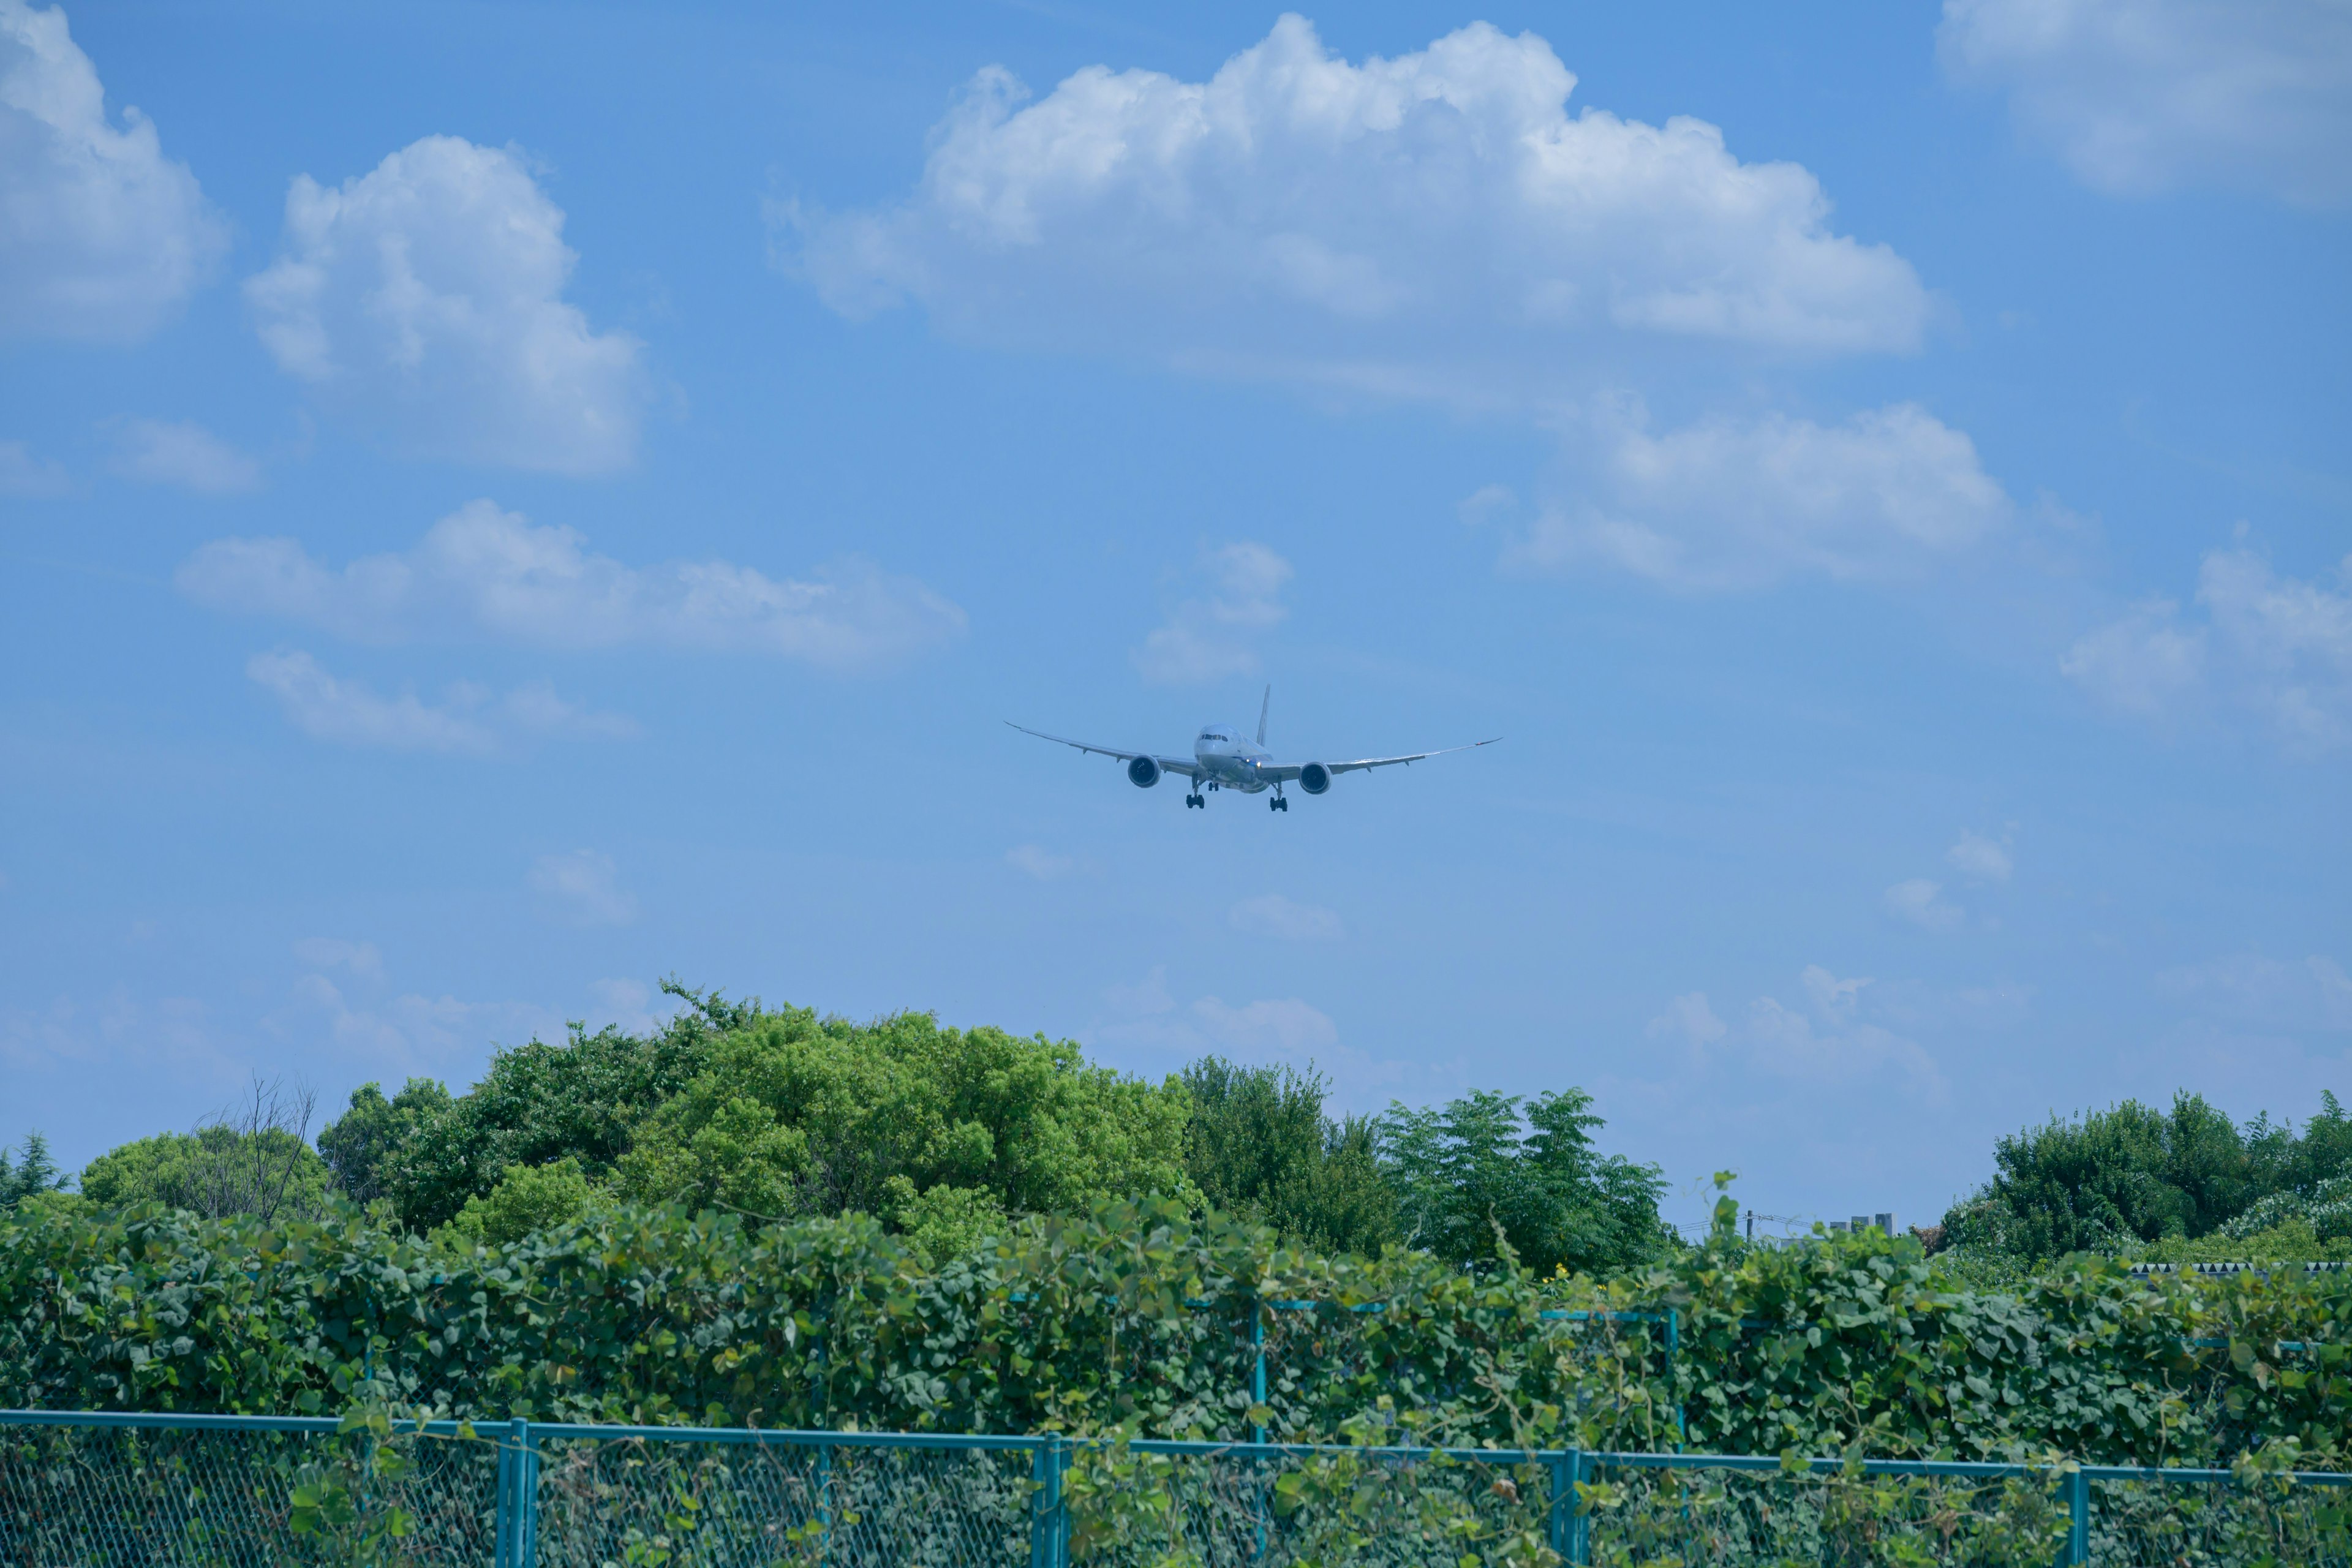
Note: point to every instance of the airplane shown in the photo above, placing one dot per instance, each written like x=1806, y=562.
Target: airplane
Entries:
x=1223, y=759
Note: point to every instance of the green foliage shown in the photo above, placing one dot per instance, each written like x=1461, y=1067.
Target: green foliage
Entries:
x=215, y=1172
x=1259, y=1147
x=527, y=1198
x=359, y=1148
x=2324, y=1209
x=1480, y=1165
x=1138, y=1319
x=540, y=1103
x=952, y=1130
x=2132, y=1175
x=33, y=1171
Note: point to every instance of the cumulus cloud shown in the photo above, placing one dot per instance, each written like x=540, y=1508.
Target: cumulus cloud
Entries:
x=1271, y=914
x=26, y=476
x=470, y=720
x=1980, y=858
x=1739, y=503
x=101, y=237
x=1213, y=634
x=1829, y=1040
x=1921, y=902
x=2274, y=644
x=583, y=888
x=426, y=299
x=2139, y=96
x=1435, y=223
x=1687, y=1018
x=482, y=571
x=1287, y=1027
x=183, y=454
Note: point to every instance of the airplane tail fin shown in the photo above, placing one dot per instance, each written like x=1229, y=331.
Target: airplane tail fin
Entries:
x=1264, y=704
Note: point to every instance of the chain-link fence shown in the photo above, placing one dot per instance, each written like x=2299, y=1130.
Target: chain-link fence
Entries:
x=80, y=1490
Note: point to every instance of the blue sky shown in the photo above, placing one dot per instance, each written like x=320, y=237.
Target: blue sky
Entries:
x=499, y=505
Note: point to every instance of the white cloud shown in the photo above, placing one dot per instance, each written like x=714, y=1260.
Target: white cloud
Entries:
x=1831, y=997
x=1831, y=1043
x=1729, y=504
x=359, y=958
x=1271, y=914
x=184, y=453
x=25, y=476
x=101, y=237
x=482, y=569
x=426, y=299
x=2145, y=663
x=1922, y=902
x=1287, y=1027
x=2275, y=644
x=1037, y=861
x=392, y=1037
x=1689, y=1019
x=471, y=721
x=2139, y=96
x=1213, y=634
x=1980, y=858
x=584, y=888
x=1434, y=223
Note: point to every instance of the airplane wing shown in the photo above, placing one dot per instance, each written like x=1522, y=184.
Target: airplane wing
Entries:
x=1289, y=772
x=1184, y=766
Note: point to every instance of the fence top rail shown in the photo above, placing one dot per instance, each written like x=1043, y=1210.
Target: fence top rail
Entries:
x=1597, y=1459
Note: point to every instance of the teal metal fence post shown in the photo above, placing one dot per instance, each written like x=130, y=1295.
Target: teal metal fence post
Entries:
x=2078, y=1522
x=1566, y=1469
x=1049, y=1523
x=1674, y=1345
x=527, y=1535
x=515, y=1529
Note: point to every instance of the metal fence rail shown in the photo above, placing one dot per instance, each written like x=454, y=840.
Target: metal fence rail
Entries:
x=82, y=1489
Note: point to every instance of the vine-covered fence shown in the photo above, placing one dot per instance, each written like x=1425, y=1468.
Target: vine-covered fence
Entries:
x=81, y=1489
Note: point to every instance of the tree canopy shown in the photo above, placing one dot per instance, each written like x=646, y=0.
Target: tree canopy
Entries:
x=946, y=1135
x=2134, y=1174
x=1491, y=1162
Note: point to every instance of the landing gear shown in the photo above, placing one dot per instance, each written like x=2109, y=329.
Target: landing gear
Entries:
x=1193, y=800
x=1277, y=803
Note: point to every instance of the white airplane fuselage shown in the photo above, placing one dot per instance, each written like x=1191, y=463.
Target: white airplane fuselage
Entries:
x=1228, y=760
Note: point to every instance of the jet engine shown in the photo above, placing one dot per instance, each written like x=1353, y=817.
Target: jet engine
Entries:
x=1143, y=772
x=1314, y=778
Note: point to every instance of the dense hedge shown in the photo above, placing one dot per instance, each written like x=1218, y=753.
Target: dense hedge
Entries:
x=1138, y=1317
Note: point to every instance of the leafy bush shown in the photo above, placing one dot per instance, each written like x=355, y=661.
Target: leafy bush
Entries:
x=1136, y=1318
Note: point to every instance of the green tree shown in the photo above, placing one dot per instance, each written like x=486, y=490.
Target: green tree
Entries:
x=541, y=1103
x=33, y=1171
x=1482, y=1161
x=957, y=1129
x=215, y=1172
x=2119, y=1179
x=359, y=1147
x=1259, y=1146
x=527, y=1198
